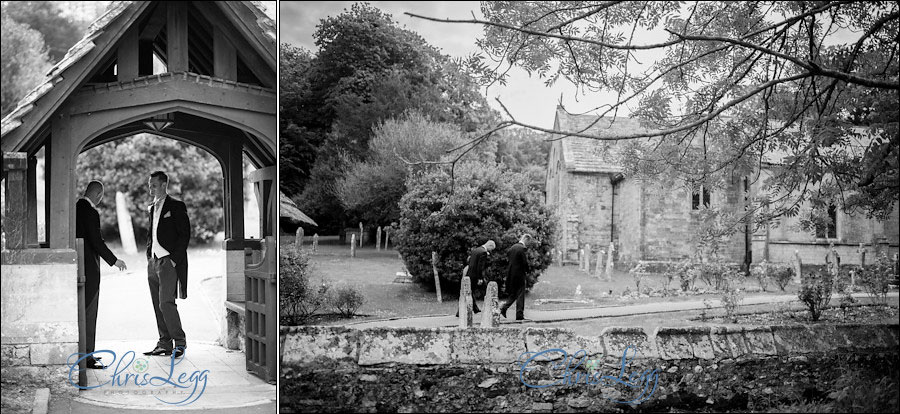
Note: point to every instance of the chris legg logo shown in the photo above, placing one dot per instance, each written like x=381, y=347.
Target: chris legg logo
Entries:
x=120, y=377
x=642, y=384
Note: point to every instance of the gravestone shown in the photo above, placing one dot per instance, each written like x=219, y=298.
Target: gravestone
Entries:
x=353, y=245
x=798, y=265
x=599, y=269
x=587, y=258
x=581, y=259
x=126, y=229
x=387, y=237
x=559, y=257
x=298, y=240
x=465, y=303
x=378, y=239
x=315, y=242
x=437, y=281
x=609, y=262
x=490, y=317
x=360, y=234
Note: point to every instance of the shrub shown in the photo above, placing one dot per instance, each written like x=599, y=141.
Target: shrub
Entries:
x=876, y=278
x=298, y=299
x=762, y=273
x=639, y=272
x=841, y=285
x=346, y=300
x=715, y=274
x=782, y=276
x=485, y=203
x=815, y=292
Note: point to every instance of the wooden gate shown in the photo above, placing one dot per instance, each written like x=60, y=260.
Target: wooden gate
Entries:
x=261, y=322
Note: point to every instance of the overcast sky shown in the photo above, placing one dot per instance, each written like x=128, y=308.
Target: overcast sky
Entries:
x=527, y=98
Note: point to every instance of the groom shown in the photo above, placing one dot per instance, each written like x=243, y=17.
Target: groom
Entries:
x=170, y=231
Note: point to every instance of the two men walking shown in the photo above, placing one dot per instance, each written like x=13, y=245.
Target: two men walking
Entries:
x=515, y=277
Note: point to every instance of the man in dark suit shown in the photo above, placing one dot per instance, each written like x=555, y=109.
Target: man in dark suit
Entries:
x=477, y=261
x=167, y=267
x=515, y=277
x=87, y=227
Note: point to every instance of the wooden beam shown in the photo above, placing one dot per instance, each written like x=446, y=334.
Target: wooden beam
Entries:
x=15, y=166
x=145, y=57
x=234, y=190
x=155, y=22
x=177, y=37
x=224, y=55
x=245, y=50
x=31, y=236
x=61, y=220
x=128, y=60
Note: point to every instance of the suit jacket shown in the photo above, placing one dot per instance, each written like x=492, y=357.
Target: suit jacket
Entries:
x=174, y=233
x=87, y=227
x=518, y=267
x=477, y=261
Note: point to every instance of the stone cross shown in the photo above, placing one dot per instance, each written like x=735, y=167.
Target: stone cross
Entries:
x=599, y=269
x=298, y=240
x=609, y=262
x=360, y=234
x=465, y=303
x=353, y=245
x=490, y=312
x=587, y=258
x=378, y=239
x=797, y=266
x=315, y=243
x=437, y=281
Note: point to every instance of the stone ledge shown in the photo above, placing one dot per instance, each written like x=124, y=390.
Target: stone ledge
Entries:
x=39, y=257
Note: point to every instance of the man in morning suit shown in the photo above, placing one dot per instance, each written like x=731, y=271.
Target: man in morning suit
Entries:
x=515, y=277
x=87, y=227
x=167, y=264
x=477, y=261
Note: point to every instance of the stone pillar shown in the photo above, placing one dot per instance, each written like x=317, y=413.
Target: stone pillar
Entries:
x=61, y=220
x=798, y=276
x=298, y=240
x=15, y=164
x=609, y=262
x=598, y=271
x=353, y=245
x=126, y=230
x=465, y=303
x=587, y=258
x=360, y=234
x=490, y=317
x=378, y=239
x=437, y=280
x=315, y=242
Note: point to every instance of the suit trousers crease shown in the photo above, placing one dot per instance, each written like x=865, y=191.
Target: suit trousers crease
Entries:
x=163, y=282
x=519, y=298
x=91, y=305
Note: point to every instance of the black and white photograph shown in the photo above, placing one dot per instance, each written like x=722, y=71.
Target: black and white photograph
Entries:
x=588, y=206
x=139, y=209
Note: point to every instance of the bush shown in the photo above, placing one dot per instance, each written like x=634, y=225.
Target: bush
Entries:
x=715, y=273
x=815, y=292
x=876, y=278
x=485, y=203
x=639, y=272
x=346, y=300
x=762, y=274
x=766, y=273
x=782, y=276
x=298, y=299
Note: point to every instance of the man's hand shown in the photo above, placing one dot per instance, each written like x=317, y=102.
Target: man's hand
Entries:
x=120, y=264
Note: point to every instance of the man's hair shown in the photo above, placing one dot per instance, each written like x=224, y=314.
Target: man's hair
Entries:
x=93, y=187
x=525, y=238
x=161, y=176
x=491, y=244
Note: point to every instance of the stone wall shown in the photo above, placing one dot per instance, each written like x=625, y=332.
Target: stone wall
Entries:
x=719, y=368
x=585, y=212
x=40, y=310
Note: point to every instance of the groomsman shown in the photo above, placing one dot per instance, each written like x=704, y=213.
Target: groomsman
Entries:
x=87, y=227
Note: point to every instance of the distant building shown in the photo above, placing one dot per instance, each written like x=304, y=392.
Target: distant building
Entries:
x=596, y=204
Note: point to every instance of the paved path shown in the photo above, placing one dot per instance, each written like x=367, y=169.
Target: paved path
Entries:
x=434, y=321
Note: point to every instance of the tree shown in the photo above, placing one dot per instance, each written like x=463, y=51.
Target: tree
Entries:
x=25, y=61
x=59, y=31
x=485, y=203
x=728, y=86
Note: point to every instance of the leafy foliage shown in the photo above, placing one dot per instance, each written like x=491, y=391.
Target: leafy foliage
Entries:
x=876, y=278
x=298, y=299
x=24, y=60
x=58, y=30
x=732, y=295
x=815, y=292
x=347, y=300
x=485, y=203
x=766, y=272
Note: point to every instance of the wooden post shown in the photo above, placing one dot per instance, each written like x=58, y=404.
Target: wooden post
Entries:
x=437, y=280
x=177, y=36
x=360, y=234
x=298, y=240
x=490, y=317
x=609, y=262
x=599, y=270
x=127, y=63
x=224, y=56
x=15, y=164
x=587, y=258
x=797, y=267
x=315, y=242
x=465, y=303
x=126, y=230
x=353, y=245
x=378, y=239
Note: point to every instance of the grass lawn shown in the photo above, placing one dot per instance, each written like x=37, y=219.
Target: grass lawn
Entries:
x=373, y=273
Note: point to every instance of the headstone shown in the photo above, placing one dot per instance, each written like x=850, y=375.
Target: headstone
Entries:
x=387, y=237
x=559, y=257
x=833, y=260
x=378, y=239
x=862, y=255
x=587, y=258
x=437, y=281
x=798, y=265
x=315, y=242
x=353, y=245
x=465, y=303
x=609, y=262
x=126, y=229
x=298, y=240
x=581, y=260
x=599, y=269
x=360, y=234
x=490, y=313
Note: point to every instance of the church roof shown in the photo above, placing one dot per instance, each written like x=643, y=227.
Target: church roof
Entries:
x=587, y=154
x=60, y=74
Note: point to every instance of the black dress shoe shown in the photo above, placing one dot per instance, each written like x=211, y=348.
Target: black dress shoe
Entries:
x=159, y=351
x=94, y=364
x=178, y=352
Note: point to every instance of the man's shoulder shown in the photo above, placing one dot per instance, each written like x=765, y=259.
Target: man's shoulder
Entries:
x=176, y=202
x=82, y=205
